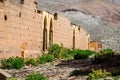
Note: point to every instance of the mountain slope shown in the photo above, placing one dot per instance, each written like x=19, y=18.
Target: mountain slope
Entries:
x=107, y=11
x=101, y=18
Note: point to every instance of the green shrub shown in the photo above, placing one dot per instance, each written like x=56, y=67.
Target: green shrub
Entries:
x=108, y=52
x=58, y=51
x=14, y=63
x=46, y=58
x=35, y=76
x=115, y=78
x=79, y=56
x=55, y=50
x=64, y=53
x=31, y=61
x=103, y=55
x=97, y=74
x=83, y=54
x=115, y=72
x=74, y=52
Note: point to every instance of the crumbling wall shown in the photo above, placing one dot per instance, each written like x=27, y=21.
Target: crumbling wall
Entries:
x=95, y=46
x=26, y=32
x=21, y=27
x=81, y=38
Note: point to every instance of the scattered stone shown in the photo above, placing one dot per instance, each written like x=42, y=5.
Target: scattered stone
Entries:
x=4, y=75
x=26, y=67
x=57, y=72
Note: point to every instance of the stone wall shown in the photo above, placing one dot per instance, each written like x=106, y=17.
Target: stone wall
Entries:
x=81, y=38
x=25, y=31
x=63, y=32
x=22, y=29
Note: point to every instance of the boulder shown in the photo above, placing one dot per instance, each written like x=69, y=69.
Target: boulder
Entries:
x=4, y=75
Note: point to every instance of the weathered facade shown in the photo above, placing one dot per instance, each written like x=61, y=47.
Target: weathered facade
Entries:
x=26, y=31
x=95, y=46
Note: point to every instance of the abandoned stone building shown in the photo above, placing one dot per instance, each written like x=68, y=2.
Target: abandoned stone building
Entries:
x=26, y=31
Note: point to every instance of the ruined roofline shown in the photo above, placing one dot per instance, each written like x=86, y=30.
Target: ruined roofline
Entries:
x=42, y=11
x=79, y=27
x=21, y=2
x=95, y=41
x=58, y=14
x=75, y=24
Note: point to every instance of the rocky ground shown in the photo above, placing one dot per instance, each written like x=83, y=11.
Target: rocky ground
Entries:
x=60, y=70
x=53, y=72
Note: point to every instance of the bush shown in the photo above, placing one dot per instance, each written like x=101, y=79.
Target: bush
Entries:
x=97, y=74
x=108, y=51
x=103, y=56
x=45, y=58
x=31, y=61
x=59, y=52
x=35, y=76
x=115, y=78
x=74, y=52
x=83, y=54
x=12, y=63
x=55, y=50
x=116, y=73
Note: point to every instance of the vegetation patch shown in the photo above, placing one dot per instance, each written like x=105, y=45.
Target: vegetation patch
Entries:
x=45, y=58
x=12, y=63
x=35, y=76
x=59, y=52
x=32, y=61
x=82, y=54
x=98, y=74
x=116, y=73
x=104, y=55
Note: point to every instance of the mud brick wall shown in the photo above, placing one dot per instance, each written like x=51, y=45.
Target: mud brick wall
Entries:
x=27, y=32
x=81, y=38
x=84, y=39
x=63, y=32
x=21, y=31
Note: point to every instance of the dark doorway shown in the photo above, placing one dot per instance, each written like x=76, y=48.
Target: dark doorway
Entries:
x=73, y=38
x=45, y=34
x=51, y=33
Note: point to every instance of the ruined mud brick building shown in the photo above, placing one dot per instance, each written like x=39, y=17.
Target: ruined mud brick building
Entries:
x=26, y=31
